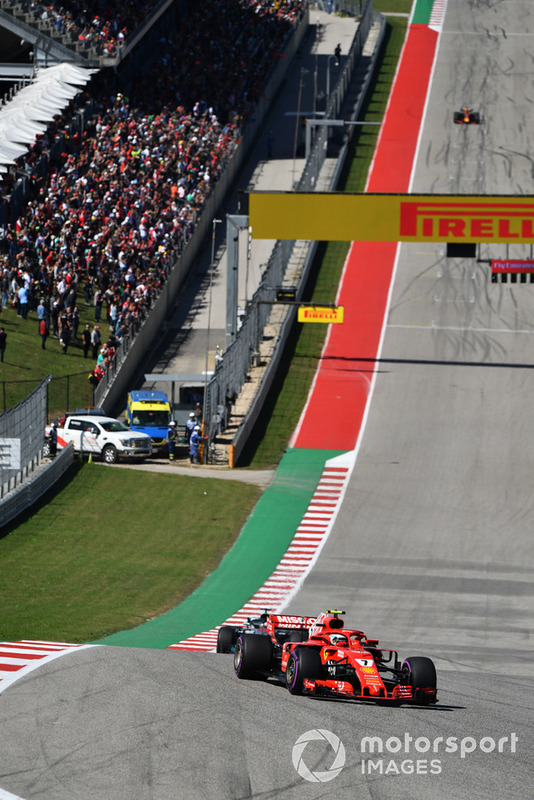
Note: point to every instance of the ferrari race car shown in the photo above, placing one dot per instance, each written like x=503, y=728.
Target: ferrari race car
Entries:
x=227, y=635
x=319, y=656
x=467, y=117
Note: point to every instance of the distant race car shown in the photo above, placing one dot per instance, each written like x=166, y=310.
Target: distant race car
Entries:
x=319, y=656
x=228, y=635
x=467, y=117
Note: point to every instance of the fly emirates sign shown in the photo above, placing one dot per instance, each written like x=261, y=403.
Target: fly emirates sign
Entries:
x=331, y=216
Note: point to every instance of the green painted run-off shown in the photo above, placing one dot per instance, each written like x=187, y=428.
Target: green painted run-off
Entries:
x=422, y=11
x=253, y=558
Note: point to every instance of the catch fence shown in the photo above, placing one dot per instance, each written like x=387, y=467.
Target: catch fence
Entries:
x=21, y=438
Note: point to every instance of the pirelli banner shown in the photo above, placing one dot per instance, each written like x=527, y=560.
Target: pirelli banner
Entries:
x=321, y=314
x=391, y=217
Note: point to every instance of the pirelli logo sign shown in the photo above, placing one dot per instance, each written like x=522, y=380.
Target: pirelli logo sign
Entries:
x=467, y=222
x=391, y=218
x=325, y=314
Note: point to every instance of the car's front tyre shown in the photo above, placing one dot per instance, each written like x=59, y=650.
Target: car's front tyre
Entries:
x=226, y=639
x=419, y=672
x=304, y=662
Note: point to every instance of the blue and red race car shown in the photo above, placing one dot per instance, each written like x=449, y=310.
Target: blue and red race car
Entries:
x=227, y=635
x=467, y=117
x=318, y=655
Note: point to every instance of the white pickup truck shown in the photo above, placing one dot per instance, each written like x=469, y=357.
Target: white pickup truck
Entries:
x=100, y=436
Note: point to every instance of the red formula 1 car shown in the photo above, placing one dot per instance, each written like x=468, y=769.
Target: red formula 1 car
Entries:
x=318, y=655
x=467, y=117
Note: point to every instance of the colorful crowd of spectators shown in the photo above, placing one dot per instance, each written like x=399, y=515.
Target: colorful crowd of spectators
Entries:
x=125, y=194
x=104, y=24
x=107, y=24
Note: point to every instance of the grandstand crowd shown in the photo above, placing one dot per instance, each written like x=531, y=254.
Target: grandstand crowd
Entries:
x=124, y=195
x=104, y=24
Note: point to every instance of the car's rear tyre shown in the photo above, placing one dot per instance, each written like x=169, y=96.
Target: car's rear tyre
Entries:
x=226, y=639
x=253, y=656
x=419, y=672
x=109, y=454
x=304, y=662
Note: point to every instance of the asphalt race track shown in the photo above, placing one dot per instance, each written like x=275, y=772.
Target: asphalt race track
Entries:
x=432, y=551
x=129, y=723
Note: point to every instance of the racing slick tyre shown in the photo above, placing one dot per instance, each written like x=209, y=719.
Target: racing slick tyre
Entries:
x=109, y=454
x=253, y=656
x=420, y=673
x=304, y=662
x=226, y=638
x=458, y=117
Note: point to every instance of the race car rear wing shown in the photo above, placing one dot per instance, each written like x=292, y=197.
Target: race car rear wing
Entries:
x=287, y=621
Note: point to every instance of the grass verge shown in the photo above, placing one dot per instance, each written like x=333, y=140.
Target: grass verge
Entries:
x=113, y=548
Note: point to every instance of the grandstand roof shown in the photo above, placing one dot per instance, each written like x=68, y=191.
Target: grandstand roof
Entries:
x=35, y=106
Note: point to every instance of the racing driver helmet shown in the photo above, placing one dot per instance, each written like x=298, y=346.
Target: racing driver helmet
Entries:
x=338, y=639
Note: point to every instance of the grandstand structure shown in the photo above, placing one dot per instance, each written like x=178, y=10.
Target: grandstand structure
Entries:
x=69, y=31
x=142, y=161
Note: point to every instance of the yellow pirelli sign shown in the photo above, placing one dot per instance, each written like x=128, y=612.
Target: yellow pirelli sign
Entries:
x=343, y=217
x=320, y=313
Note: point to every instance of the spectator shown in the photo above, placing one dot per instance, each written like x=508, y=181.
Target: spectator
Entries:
x=95, y=341
x=23, y=302
x=86, y=341
x=52, y=440
x=55, y=318
x=65, y=336
x=4, y=287
x=96, y=376
x=41, y=310
x=43, y=332
x=75, y=321
x=102, y=355
x=98, y=301
x=3, y=342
